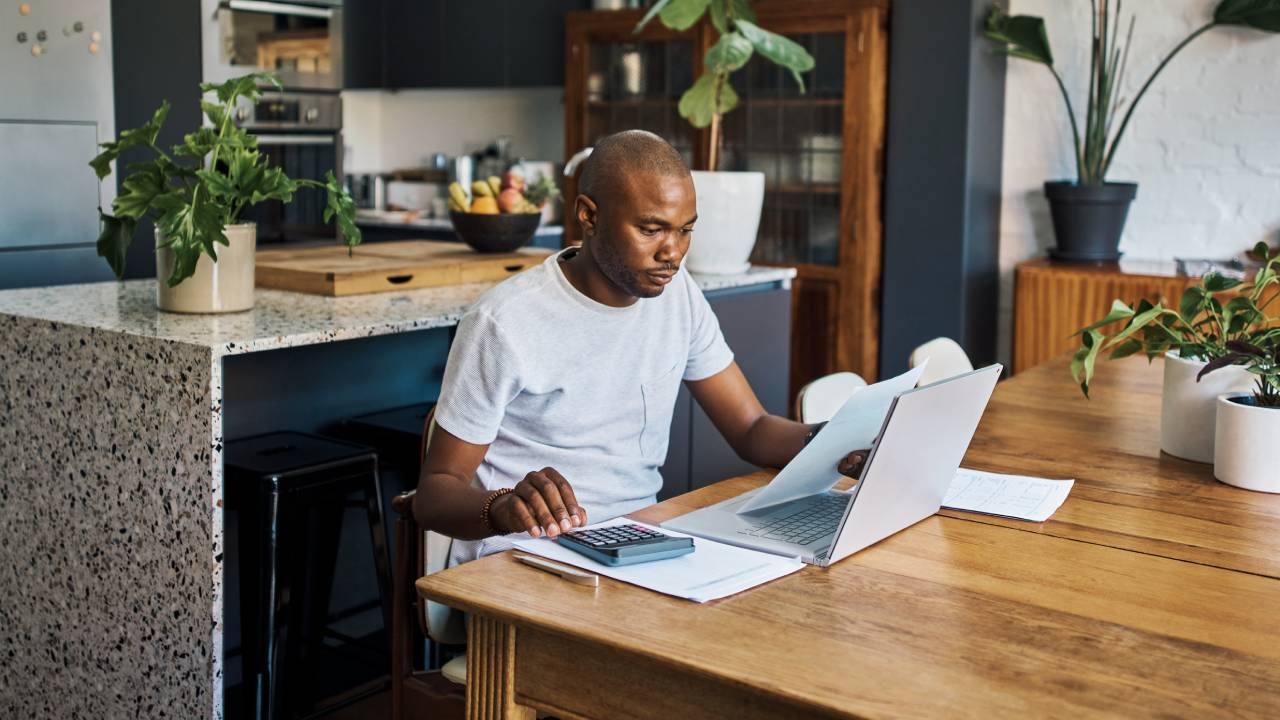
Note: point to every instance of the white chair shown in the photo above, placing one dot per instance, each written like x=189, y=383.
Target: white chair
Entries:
x=819, y=400
x=946, y=359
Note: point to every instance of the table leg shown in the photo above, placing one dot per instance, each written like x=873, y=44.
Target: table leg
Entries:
x=491, y=671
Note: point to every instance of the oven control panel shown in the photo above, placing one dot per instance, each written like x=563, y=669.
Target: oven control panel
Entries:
x=291, y=111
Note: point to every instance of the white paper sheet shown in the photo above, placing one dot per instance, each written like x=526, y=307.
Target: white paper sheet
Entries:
x=1015, y=496
x=854, y=427
x=713, y=570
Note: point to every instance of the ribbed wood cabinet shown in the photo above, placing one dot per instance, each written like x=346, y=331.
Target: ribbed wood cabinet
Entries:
x=821, y=151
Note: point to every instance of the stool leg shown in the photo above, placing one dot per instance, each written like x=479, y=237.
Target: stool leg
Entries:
x=260, y=596
x=378, y=534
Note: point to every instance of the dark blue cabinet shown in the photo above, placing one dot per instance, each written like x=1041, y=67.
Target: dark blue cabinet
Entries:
x=405, y=44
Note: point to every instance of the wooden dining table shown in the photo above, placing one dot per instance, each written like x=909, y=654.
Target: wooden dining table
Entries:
x=1154, y=591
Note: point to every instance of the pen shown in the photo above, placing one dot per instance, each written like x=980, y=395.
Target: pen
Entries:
x=572, y=574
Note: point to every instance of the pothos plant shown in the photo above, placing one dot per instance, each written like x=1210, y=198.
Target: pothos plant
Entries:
x=712, y=95
x=198, y=188
x=1221, y=321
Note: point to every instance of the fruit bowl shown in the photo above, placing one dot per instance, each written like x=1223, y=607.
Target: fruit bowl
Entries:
x=495, y=233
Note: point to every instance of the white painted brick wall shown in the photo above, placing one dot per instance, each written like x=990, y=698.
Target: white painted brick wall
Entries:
x=1204, y=145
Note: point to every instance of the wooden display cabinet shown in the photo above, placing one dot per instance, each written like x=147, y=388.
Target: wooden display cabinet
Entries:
x=821, y=151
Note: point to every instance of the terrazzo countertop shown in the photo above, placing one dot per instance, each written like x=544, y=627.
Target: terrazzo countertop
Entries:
x=111, y=481
x=280, y=319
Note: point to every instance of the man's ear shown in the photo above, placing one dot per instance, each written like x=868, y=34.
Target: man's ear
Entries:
x=585, y=210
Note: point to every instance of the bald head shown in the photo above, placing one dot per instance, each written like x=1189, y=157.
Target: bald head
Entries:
x=618, y=156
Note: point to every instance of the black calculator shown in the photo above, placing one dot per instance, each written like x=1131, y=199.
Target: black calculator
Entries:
x=625, y=544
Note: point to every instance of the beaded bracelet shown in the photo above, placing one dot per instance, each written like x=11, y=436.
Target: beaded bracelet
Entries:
x=488, y=502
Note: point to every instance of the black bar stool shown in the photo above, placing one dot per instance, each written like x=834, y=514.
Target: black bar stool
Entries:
x=291, y=491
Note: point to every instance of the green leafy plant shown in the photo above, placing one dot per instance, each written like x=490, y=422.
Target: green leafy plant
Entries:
x=200, y=187
x=711, y=96
x=1023, y=36
x=1261, y=359
x=1214, y=322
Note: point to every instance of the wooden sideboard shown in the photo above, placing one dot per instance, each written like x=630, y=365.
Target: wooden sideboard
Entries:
x=1053, y=301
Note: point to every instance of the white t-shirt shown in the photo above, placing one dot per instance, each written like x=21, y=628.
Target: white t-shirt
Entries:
x=546, y=376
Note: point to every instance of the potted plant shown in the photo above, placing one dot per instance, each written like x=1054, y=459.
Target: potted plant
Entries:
x=729, y=203
x=1212, y=317
x=1249, y=423
x=1089, y=213
x=195, y=194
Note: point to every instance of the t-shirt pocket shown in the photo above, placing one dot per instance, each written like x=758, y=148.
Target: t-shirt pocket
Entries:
x=659, y=402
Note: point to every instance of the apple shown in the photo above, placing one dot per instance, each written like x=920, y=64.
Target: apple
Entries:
x=513, y=179
x=510, y=200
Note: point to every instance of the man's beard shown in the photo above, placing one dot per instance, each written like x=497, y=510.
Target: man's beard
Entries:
x=610, y=262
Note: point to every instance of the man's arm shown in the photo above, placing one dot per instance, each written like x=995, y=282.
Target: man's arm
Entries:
x=756, y=436
x=447, y=502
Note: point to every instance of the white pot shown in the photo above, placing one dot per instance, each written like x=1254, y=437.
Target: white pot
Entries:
x=216, y=287
x=1244, y=447
x=728, y=217
x=1188, y=408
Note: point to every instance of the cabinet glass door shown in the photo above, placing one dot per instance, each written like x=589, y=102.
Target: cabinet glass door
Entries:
x=638, y=85
x=796, y=140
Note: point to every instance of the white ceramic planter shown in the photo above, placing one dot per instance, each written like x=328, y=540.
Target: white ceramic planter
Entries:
x=728, y=217
x=1244, y=446
x=216, y=287
x=1188, y=408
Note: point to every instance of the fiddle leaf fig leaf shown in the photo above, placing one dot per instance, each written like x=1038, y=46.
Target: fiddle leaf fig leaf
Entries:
x=697, y=104
x=731, y=52
x=682, y=14
x=781, y=50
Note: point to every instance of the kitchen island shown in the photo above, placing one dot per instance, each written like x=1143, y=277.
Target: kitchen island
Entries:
x=113, y=417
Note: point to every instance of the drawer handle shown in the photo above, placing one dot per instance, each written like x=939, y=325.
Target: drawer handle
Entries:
x=513, y=268
x=399, y=279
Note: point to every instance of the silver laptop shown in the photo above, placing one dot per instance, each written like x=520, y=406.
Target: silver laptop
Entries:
x=913, y=460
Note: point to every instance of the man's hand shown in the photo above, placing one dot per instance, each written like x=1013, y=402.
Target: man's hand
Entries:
x=541, y=503
x=852, y=463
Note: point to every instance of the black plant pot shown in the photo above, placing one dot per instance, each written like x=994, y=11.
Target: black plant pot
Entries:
x=1088, y=219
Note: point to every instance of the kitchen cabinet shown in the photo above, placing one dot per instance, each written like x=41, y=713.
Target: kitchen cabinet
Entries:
x=407, y=44
x=821, y=151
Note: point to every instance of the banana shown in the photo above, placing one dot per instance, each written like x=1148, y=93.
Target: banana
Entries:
x=529, y=207
x=458, y=197
x=453, y=205
x=495, y=184
x=480, y=188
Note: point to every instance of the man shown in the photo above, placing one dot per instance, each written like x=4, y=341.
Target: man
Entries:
x=558, y=395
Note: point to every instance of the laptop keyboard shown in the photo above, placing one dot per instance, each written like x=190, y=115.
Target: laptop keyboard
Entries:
x=805, y=524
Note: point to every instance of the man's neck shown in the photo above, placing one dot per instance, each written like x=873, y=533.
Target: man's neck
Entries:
x=585, y=276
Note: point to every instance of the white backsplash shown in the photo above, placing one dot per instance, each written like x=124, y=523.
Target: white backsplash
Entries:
x=384, y=130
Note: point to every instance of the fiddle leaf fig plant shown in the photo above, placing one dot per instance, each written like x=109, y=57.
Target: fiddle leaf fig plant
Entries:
x=711, y=96
x=1024, y=36
x=199, y=187
x=1221, y=321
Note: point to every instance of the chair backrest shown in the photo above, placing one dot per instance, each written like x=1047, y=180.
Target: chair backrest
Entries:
x=443, y=624
x=819, y=400
x=946, y=359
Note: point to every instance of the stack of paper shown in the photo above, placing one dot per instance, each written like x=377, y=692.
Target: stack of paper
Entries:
x=713, y=570
x=1015, y=496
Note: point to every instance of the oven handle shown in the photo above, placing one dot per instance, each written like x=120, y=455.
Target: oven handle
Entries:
x=294, y=140
x=275, y=8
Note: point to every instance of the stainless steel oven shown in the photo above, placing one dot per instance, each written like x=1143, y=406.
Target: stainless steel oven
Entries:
x=301, y=133
x=298, y=40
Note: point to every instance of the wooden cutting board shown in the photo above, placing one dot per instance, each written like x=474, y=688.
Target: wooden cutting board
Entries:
x=386, y=266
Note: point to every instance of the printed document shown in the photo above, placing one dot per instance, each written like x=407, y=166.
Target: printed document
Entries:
x=1015, y=496
x=713, y=570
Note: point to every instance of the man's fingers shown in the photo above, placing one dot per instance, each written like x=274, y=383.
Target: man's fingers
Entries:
x=522, y=518
x=566, y=494
x=528, y=491
x=551, y=496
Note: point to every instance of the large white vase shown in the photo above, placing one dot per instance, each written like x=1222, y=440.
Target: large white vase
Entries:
x=1188, y=409
x=1244, y=445
x=728, y=217
x=216, y=287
